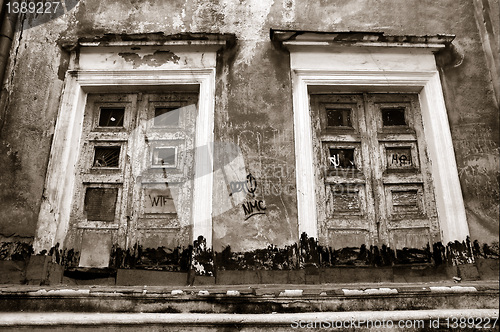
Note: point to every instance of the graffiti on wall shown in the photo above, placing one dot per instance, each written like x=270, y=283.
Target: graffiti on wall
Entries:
x=249, y=186
x=253, y=207
x=159, y=201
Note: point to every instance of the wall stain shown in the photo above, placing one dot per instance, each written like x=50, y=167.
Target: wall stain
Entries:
x=306, y=254
x=161, y=259
x=15, y=251
x=202, y=258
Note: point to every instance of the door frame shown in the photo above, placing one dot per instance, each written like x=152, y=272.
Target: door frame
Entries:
x=373, y=69
x=53, y=222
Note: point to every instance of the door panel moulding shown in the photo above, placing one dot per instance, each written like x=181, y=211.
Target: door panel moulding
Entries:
x=93, y=68
x=341, y=62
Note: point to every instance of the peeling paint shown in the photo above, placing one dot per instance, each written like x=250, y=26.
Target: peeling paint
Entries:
x=156, y=59
x=307, y=256
x=16, y=251
x=253, y=109
x=202, y=262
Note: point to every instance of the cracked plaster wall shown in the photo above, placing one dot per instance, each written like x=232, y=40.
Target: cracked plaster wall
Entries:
x=253, y=99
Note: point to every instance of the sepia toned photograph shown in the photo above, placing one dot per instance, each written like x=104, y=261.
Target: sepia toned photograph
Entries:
x=249, y=165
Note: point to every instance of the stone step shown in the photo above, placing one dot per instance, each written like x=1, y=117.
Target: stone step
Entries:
x=400, y=320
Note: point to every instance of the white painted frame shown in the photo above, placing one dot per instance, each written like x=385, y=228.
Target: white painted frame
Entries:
x=54, y=216
x=308, y=73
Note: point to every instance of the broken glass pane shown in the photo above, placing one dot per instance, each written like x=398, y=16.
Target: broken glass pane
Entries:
x=166, y=117
x=111, y=117
x=342, y=158
x=164, y=156
x=106, y=156
x=393, y=117
x=339, y=117
x=100, y=204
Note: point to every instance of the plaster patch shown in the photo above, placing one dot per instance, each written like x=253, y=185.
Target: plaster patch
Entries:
x=288, y=11
x=370, y=291
x=249, y=23
x=352, y=291
x=60, y=292
x=178, y=20
x=454, y=289
x=292, y=292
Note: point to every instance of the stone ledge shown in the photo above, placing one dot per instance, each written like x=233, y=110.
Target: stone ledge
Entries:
x=102, y=319
x=253, y=289
x=249, y=299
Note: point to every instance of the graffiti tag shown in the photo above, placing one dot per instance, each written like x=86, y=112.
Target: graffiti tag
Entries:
x=252, y=208
x=249, y=186
x=400, y=160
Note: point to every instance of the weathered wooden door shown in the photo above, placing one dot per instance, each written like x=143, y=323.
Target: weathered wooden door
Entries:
x=135, y=174
x=373, y=180
x=162, y=174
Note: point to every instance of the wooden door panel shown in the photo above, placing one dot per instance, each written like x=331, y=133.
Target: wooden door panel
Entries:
x=404, y=186
x=349, y=237
x=97, y=216
x=165, y=159
x=345, y=203
x=134, y=180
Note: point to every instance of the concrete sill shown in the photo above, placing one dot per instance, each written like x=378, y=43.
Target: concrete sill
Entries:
x=247, y=299
x=148, y=320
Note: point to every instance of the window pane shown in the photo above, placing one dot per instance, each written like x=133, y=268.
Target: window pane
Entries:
x=393, y=117
x=164, y=157
x=166, y=117
x=111, y=117
x=106, y=156
x=339, y=117
x=341, y=158
x=100, y=204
